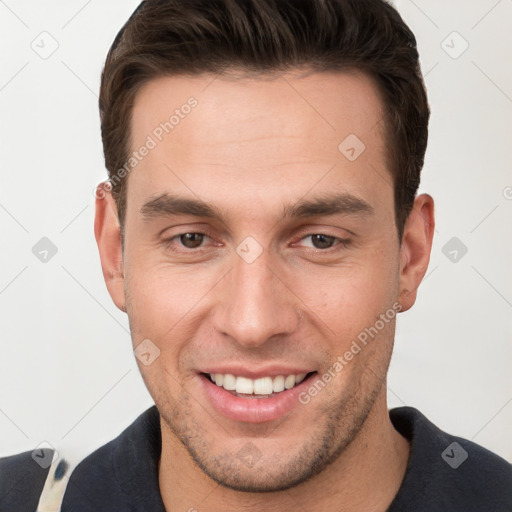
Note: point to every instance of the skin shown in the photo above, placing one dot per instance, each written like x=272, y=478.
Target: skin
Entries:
x=251, y=148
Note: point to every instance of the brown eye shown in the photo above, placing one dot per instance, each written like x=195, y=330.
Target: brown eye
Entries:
x=322, y=241
x=191, y=240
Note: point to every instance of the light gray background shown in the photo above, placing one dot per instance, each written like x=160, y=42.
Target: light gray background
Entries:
x=67, y=373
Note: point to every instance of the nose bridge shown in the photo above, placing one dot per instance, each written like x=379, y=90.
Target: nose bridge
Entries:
x=255, y=305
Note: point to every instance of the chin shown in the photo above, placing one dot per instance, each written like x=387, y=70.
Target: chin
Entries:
x=266, y=475
x=261, y=465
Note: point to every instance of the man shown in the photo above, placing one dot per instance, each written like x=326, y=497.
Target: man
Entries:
x=262, y=231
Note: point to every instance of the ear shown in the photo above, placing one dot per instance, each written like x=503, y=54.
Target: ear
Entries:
x=415, y=249
x=108, y=237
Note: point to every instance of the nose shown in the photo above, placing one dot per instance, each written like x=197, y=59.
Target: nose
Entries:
x=255, y=303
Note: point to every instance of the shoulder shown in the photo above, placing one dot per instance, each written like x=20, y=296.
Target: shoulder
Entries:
x=120, y=474
x=113, y=478
x=447, y=472
x=22, y=478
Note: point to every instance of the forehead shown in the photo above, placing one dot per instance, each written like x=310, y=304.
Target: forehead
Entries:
x=264, y=134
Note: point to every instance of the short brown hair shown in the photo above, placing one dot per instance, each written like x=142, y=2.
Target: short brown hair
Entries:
x=167, y=37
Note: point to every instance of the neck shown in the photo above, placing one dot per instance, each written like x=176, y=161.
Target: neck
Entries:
x=365, y=477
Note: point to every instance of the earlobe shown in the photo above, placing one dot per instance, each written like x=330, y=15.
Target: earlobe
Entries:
x=108, y=237
x=415, y=249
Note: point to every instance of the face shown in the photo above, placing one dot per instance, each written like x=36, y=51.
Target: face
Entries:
x=258, y=250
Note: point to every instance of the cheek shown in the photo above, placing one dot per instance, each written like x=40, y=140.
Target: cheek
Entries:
x=168, y=307
x=160, y=297
x=351, y=304
x=158, y=307
x=349, y=298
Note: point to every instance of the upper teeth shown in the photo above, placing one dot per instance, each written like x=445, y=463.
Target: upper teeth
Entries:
x=261, y=386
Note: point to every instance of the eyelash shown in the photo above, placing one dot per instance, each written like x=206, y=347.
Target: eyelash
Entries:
x=342, y=242
x=169, y=242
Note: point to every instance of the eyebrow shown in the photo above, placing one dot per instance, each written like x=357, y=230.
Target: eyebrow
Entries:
x=168, y=205
x=333, y=204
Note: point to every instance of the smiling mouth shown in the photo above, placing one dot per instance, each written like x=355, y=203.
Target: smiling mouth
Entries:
x=263, y=387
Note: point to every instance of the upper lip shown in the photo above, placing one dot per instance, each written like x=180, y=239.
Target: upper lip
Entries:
x=255, y=373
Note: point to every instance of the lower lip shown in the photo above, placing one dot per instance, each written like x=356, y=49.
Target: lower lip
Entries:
x=253, y=410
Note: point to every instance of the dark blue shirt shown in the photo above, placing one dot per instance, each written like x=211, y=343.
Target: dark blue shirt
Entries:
x=444, y=473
